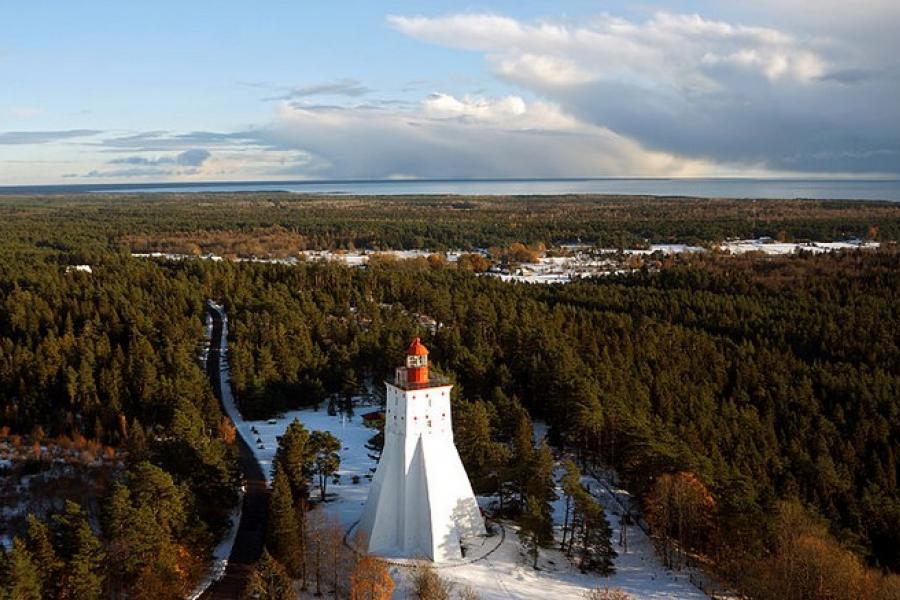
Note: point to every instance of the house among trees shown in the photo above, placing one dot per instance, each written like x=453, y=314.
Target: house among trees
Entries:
x=371, y=419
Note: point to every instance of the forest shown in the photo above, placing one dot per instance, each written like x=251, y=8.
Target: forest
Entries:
x=279, y=224
x=751, y=403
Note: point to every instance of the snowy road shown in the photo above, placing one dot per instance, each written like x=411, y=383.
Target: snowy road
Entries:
x=242, y=547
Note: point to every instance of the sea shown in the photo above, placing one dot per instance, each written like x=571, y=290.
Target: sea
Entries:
x=844, y=189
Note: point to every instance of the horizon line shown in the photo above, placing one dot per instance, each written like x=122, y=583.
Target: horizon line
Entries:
x=12, y=188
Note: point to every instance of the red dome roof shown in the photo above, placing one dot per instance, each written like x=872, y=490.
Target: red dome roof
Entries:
x=416, y=348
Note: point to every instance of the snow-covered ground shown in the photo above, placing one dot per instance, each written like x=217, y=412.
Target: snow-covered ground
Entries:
x=583, y=261
x=767, y=246
x=262, y=437
x=663, y=249
x=353, y=258
x=222, y=551
x=504, y=573
x=221, y=554
x=641, y=561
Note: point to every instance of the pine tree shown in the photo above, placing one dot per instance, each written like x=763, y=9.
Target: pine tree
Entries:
x=536, y=531
x=23, y=579
x=135, y=537
x=283, y=539
x=326, y=460
x=82, y=552
x=40, y=545
x=522, y=458
x=539, y=496
x=4, y=573
x=154, y=488
x=137, y=442
x=591, y=537
x=85, y=568
x=542, y=485
x=587, y=422
x=571, y=483
x=482, y=456
x=294, y=457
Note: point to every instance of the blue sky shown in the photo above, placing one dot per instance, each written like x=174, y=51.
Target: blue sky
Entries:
x=132, y=91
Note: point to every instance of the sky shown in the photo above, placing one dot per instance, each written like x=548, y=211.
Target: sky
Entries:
x=111, y=91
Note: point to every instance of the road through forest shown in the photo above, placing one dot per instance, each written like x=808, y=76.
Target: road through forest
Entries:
x=248, y=543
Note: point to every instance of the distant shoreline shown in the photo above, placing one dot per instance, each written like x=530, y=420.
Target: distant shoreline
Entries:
x=738, y=188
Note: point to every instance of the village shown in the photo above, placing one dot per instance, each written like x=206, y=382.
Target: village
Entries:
x=560, y=264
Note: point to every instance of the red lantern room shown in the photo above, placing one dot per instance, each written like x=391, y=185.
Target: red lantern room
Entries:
x=417, y=363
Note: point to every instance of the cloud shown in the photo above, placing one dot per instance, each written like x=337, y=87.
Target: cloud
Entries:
x=44, y=137
x=441, y=136
x=189, y=158
x=449, y=136
x=153, y=172
x=162, y=141
x=341, y=87
x=692, y=86
x=675, y=49
x=243, y=156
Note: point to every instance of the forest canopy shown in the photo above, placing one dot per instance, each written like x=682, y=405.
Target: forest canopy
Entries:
x=753, y=381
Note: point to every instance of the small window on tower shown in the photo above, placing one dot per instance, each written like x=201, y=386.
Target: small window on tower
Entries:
x=414, y=362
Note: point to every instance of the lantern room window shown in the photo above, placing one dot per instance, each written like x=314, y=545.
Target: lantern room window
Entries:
x=415, y=362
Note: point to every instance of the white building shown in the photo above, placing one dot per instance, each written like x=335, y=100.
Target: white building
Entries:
x=421, y=503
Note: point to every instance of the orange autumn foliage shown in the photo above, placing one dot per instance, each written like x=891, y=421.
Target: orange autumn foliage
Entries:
x=370, y=580
x=227, y=431
x=681, y=509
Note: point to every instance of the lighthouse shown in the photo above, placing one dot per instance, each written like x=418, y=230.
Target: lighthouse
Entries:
x=421, y=503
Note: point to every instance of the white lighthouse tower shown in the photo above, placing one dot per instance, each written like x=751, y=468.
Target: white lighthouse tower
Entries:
x=421, y=503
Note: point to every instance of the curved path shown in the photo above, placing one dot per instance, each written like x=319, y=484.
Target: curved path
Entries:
x=484, y=553
x=248, y=543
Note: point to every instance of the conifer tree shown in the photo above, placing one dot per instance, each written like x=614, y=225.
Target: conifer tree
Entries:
x=137, y=442
x=129, y=549
x=23, y=579
x=571, y=484
x=482, y=456
x=283, y=538
x=542, y=485
x=40, y=544
x=154, y=488
x=294, y=457
x=4, y=573
x=591, y=538
x=522, y=458
x=86, y=566
x=82, y=552
x=326, y=460
x=536, y=531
